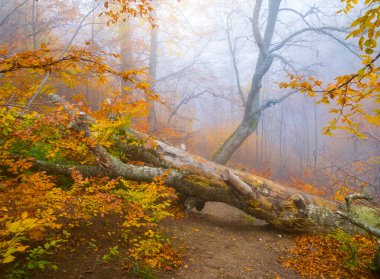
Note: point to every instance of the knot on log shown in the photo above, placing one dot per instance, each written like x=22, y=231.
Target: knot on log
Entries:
x=265, y=191
x=298, y=201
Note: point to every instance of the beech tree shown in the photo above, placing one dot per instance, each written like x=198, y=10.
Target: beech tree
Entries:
x=267, y=53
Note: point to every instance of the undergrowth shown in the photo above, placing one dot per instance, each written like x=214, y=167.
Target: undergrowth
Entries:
x=337, y=255
x=33, y=209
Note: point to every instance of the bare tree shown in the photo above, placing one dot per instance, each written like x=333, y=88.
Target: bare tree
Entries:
x=266, y=55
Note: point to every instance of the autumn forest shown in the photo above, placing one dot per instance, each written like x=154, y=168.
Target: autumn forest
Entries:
x=189, y=139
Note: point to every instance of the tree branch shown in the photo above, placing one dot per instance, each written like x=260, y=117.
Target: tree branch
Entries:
x=358, y=196
x=255, y=27
x=343, y=43
x=302, y=16
x=42, y=84
x=304, y=30
x=286, y=62
x=184, y=101
x=237, y=183
x=234, y=61
x=273, y=102
x=367, y=228
x=107, y=162
x=183, y=69
x=4, y=20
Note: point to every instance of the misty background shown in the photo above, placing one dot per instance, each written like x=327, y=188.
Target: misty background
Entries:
x=201, y=49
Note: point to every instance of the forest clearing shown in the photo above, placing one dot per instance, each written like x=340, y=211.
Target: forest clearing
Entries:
x=189, y=139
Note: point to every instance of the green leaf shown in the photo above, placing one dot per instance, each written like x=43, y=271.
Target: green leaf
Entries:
x=369, y=51
x=361, y=73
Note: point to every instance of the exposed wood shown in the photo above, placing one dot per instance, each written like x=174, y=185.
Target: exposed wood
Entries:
x=237, y=183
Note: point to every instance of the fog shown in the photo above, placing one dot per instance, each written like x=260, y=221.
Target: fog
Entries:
x=205, y=60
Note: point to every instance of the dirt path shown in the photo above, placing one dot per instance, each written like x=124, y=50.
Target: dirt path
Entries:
x=223, y=242
x=219, y=242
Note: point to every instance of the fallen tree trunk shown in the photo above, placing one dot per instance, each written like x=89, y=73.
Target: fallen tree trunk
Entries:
x=202, y=180
x=283, y=207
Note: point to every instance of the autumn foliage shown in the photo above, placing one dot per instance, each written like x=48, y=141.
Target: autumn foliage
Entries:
x=35, y=208
x=336, y=255
x=39, y=212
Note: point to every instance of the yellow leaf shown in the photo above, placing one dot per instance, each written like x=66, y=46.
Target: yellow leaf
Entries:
x=13, y=227
x=21, y=248
x=24, y=215
x=144, y=85
x=8, y=259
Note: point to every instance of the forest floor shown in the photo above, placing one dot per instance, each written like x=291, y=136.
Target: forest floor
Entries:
x=223, y=242
x=218, y=242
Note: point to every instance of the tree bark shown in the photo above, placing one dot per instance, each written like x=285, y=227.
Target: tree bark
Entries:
x=152, y=118
x=285, y=208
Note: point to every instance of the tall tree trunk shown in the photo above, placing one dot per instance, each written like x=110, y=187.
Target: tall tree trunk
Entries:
x=125, y=37
x=26, y=25
x=315, y=152
x=264, y=61
x=152, y=117
x=34, y=23
x=257, y=149
x=316, y=131
x=281, y=153
x=262, y=141
x=306, y=150
x=243, y=131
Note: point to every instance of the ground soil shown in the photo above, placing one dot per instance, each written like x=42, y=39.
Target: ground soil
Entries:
x=218, y=242
x=223, y=242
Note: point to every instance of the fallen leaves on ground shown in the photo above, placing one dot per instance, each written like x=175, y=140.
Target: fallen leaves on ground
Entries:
x=333, y=256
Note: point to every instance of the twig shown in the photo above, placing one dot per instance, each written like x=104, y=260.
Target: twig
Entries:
x=42, y=84
x=367, y=228
x=357, y=196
